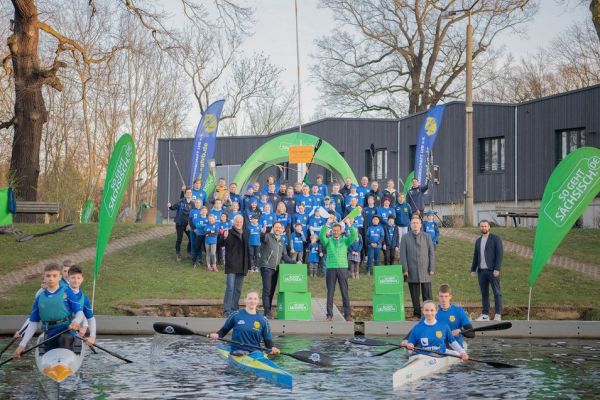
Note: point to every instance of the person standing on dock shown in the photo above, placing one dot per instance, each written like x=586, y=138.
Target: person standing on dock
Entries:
x=487, y=260
x=237, y=263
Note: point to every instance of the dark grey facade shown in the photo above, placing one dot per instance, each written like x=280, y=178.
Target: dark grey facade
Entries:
x=521, y=173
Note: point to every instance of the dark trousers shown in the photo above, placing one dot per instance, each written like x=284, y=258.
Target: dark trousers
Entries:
x=180, y=230
x=486, y=278
x=269, y=281
x=340, y=275
x=198, y=246
x=388, y=255
x=253, y=253
x=63, y=341
x=415, y=292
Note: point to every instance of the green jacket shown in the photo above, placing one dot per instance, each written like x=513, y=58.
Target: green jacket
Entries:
x=337, y=249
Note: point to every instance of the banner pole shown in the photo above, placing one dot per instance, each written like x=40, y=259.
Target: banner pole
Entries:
x=529, y=303
x=93, y=292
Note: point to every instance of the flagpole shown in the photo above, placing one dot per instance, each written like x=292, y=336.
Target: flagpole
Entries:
x=529, y=303
x=93, y=292
x=301, y=167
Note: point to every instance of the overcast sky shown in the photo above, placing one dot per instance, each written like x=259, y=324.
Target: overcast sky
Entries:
x=275, y=36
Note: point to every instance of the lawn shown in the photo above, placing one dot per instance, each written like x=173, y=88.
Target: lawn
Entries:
x=149, y=271
x=579, y=244
x=15, y=255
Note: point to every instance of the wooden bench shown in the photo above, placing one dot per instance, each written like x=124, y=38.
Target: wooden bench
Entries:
x=516, y=212
x=38, y=207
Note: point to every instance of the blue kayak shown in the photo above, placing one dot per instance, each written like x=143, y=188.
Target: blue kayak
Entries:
x=258, y=364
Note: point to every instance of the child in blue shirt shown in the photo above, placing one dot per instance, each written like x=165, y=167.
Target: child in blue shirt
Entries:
x=282, y=216
x=403, y=214
x=314, y=256
x=375, y=236
x=224, y=225
x=431, y=227
x=385, y=211
x=194, y=221
x=392, y=241
x=211, y=232
x=297, y=242
x=267, y=218
x=254, y=229
x=354, y=257
x=302, y=218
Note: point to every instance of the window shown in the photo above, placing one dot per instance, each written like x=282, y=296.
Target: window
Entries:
x=568, y=141
x=412, y=154
x=376, y=164
x=491, y=154
x=285, y=174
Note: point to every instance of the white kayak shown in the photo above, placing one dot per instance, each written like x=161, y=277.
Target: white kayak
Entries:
x=58, y=364
x=420, y=366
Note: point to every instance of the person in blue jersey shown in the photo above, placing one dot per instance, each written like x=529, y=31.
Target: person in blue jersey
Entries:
x=322, y=187
x=317, y=196
x=456, y=318
x=270, y=181
x=183, y=208
x=359, y=221
x=249, y=327
x=354, y=257
x=272, y=195
x=197, y=192
x=301, y=217
x=282, y=216
x=431, y=228
x=369, y=212
x=211, y=234
x=352, y=195
x=248, y=198
x=297, y=243
x=306, y=199
x=403, y=214
x=233, y=194
x=252, y=210
x=337, y=199
x=391, y=244
x=224, y=225
x=254, y=230
x=217, y=209
x=362, y=190
x=333, y=211
x=197, y=225
x=195, y=214
x=263, y=201
x=314, y=255
x=416, y=195
x=57, y=309
x=432, y=334
x=89, y=324
x=375, y=236
x=315, y=223
x=66, y=265
x=267, y=218
x=234, y=210
x=385, y=211
x=290, y=201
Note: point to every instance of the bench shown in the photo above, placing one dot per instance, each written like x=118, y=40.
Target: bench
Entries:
x=516, y=212
x=38, y=207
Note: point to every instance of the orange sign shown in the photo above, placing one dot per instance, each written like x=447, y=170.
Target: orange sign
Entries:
x=301, y=154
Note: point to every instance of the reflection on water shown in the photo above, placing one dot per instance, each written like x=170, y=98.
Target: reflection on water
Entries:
x=190, y=368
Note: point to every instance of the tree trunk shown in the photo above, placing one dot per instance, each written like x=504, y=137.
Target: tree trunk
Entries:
x=595, y=10
x=30, y=110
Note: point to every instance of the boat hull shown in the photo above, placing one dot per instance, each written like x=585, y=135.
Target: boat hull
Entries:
x=258, y=364
x=58, y=364
x=420, y=366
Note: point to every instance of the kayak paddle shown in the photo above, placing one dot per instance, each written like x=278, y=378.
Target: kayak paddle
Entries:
x=36, y=346
x=310, y=357
x=494, y=327
x=63, y=228
x=13, y=340
x=106, y=351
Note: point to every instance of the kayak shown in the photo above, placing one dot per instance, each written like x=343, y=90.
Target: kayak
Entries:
x=58, y=364
x=419, y=366
x=258, y=364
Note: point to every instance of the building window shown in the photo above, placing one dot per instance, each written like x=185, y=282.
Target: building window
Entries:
x=412, y=154
x=491, y=154
x=376, y=164
x=285, y=174
x=568, y=141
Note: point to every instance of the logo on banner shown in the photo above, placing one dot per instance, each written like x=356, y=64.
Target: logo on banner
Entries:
x=430, y=126
x=210, y=122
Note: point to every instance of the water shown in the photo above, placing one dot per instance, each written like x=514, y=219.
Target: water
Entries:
x=190, y=368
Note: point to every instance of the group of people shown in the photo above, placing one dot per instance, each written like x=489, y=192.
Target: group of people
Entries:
x=308, y=223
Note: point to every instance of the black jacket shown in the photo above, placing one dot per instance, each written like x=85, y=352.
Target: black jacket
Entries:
x=272, y=251
x=236, y=252
x=183, y=208
x=493, y=253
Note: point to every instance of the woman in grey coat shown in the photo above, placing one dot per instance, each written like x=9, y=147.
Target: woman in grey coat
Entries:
x=417, y=255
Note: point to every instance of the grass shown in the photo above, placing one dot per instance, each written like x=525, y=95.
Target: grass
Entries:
x=579, y=244
x=15, y=255
x=148, y=271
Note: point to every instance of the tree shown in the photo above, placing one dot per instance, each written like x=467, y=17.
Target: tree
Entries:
x=395, y=57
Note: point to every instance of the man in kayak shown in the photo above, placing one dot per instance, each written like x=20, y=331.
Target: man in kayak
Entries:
x=57, y=309
x=249, y=326
x=431, y=334
x=75, y=281
x=456, y=318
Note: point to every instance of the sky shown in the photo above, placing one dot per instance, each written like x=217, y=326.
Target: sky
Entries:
x=275, y=36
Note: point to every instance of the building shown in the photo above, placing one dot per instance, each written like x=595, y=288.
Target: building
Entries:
x=516, y=147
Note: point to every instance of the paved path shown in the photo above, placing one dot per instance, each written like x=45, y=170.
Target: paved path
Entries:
x=20, y=276
x=527, y=252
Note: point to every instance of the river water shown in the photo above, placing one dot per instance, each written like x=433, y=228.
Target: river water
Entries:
x=190, y=368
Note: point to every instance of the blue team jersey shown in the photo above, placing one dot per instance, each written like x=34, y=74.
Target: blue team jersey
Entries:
x=199, y=194
x=284, y=239
x=384, y=213
x=432, y=229
x=283, y=218
x=362, y=194
x=323, y=189
x=233, y=214
x=263, y=203
x=224, y=226
x=254, y=234
x=266, y=220
x=247, y=328
x=339, y=201
x=55, y=306
x=403, y=214
x=303, y=219
x=216, y=213
x=233, y=197
x=313, y=253
x=297, y=240
x=368, y=214
x=359, y=201
x=194, y=217
x=308, y=202
x=315, y=224
x=210, y=232
x=359, y=220
x=431, y=337
x=375, y=234
x=86, y=306
x=318, y=199
x=455, y=317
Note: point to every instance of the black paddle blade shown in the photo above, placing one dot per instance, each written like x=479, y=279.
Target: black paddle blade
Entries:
x=367, y=342
x=171, y=329
x=497, y=364
x=312, y=357
x=387, y=351
x=25, y=238
x=494, y=327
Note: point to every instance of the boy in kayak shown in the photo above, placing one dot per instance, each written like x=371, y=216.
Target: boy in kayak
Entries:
x=75, y=281
x=456, y=318
x=249, y=326
x=431, y=334
x=57, y=309
x=64, y=280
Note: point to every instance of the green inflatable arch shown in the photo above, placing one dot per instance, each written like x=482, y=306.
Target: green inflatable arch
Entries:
x=276, y=151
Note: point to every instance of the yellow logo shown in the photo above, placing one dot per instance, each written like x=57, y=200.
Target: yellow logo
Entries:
x=210, y=122
x=430, y=126
x=452, y=318
x=439, y=334
x=256, y=325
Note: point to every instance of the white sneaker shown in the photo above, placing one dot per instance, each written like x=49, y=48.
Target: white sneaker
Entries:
x=483, y=317
x=497, y=317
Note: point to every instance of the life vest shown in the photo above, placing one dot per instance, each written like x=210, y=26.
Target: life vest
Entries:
x=53, y=309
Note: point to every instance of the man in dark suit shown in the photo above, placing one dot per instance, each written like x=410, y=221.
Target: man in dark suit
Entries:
x=487, y=260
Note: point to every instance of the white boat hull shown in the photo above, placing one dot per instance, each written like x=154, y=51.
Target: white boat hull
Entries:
x=420, y=366
x=58, y=364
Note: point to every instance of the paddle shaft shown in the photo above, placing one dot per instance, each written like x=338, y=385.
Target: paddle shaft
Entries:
x=494, y=327
x=106, y=351
x=36, y=346
x=13, y=340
